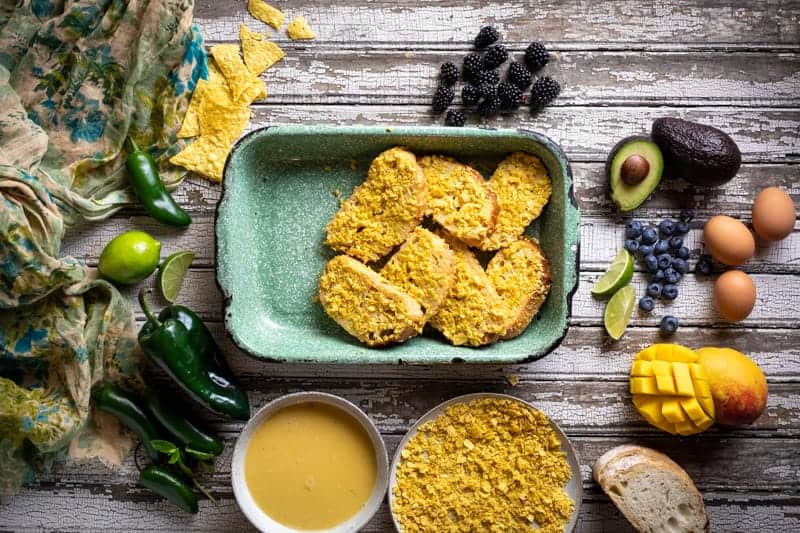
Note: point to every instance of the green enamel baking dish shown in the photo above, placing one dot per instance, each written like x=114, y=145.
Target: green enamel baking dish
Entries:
x=282, y=184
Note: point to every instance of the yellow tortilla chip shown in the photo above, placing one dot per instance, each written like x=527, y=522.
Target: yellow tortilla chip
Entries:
x=265, y=13
x=255, y=90
x=230, y=63
x=191, y=120
x=259, y=54
x=215, y=75
x=299, y=30
x=206, y=156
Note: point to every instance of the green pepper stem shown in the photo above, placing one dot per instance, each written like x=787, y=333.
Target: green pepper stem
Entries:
x=146, y=307
x=134, y=145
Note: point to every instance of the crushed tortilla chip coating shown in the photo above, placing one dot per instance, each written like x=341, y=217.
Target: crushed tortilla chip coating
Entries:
x=486, y=465
x=259, y=53
x=299, y=30
x=206, y=155
x=265, y=13
x=233, y=68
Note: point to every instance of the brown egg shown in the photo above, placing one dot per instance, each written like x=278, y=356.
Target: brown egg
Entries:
x=734, y=295
x=773, y=214
x=728, y=240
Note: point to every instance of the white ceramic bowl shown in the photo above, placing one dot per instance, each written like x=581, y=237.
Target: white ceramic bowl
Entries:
x=259, y=518
x=574, y=487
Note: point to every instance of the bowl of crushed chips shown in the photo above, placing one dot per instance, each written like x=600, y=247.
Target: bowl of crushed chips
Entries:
x=485, y=462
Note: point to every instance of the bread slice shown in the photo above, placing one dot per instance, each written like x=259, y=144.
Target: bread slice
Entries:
x=472, y=313
x=520, y=273
x=652, y=491
x=424, y=268
x=523, y=188
x=459, y=199
x=382, y=211
x=366, y=305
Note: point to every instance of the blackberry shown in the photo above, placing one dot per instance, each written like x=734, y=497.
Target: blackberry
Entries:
x=489, y=106
x=544, y=91
x=470, y=94
x=472, y=64
x=486, y=76
x=495, y=56
x=442, y=99
x=519, y=75
x=536, y=56
x=510, y=95
x=488, y=35
x=487, y=90
x=449, y=74
x=455, y=118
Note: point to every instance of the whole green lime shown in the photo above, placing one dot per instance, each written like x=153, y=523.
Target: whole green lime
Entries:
x=130, y=257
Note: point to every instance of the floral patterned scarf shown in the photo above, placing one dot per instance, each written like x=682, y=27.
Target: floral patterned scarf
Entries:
x=76, y=79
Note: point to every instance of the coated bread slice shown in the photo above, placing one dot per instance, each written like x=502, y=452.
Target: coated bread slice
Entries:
x=652, y=491
x=522, y=186
x=424, y=268
x=520, y=273
x=459, y=199
x=383, y=211
x=366, y=305
x=472, y=313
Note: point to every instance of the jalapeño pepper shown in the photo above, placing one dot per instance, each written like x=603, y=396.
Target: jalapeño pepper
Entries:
x=130, y=411
x=154, y=197
x=182, y=429
x=166, y=484
x=179, y=342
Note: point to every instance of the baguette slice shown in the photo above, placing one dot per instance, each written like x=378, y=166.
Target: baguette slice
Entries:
x=520, y=273
x=459, y=199
x=382, y=211
x=366, y=305
x=652, y=491
x=424, y=268
x=472, y=313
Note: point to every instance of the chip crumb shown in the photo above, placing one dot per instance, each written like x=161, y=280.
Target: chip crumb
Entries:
x=513, y=379
x=487, y=465
x=266, y=13
x=353, y=164
x=299, y=30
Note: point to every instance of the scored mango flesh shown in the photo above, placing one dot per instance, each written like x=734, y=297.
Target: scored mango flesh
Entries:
x=670, y=389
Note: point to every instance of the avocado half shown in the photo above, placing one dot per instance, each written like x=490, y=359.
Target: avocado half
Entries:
x=634, y=168
x=700, y=154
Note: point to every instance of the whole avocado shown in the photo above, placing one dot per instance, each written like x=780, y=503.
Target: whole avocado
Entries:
x=698, y=153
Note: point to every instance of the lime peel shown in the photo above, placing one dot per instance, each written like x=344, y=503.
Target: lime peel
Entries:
x=617, y=276
x=172, y=273
x=618, y=311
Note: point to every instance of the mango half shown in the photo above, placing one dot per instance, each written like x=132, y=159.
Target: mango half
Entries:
x=670, y=389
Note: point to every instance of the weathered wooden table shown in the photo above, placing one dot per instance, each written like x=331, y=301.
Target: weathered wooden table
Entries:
x=733, y=64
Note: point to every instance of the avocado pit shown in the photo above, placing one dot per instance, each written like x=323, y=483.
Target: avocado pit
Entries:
x=634, y=169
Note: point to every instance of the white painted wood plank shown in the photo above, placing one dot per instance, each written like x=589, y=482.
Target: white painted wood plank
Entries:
x=440, y=23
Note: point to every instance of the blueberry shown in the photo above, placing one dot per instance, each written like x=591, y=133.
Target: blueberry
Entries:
x=661, y=247
x=633, y=229
x=659, y=275
x=651, y=263
x=681, y=228
x=675, y=242
x=704, y=266
x=654, y=290
x=680, y=265
x=671, y=276
x=647, y=304
x=683, y=253
x=669, y=292
x=664, y=261
x=666, y=228
x=649, y=235
x=686, y=215
x=669, y=324
x=632, y=245
x=645, y=250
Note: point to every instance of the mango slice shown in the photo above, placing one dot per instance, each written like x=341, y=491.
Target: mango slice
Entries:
x=670, y=389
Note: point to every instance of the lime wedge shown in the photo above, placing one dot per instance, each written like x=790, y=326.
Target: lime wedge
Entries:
x=618, y=311
x=617, y=276
x=173, y=270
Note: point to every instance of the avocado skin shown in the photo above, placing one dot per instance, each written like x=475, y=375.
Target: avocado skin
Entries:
x=700, y=154
x=638, y=194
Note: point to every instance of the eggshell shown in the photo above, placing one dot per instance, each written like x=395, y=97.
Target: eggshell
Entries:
x=773, y=214
x=728, y=240
x=734, y=295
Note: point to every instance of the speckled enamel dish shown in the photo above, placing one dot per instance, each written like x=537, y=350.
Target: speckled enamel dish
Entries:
x=574, y=487
x=282, y=186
